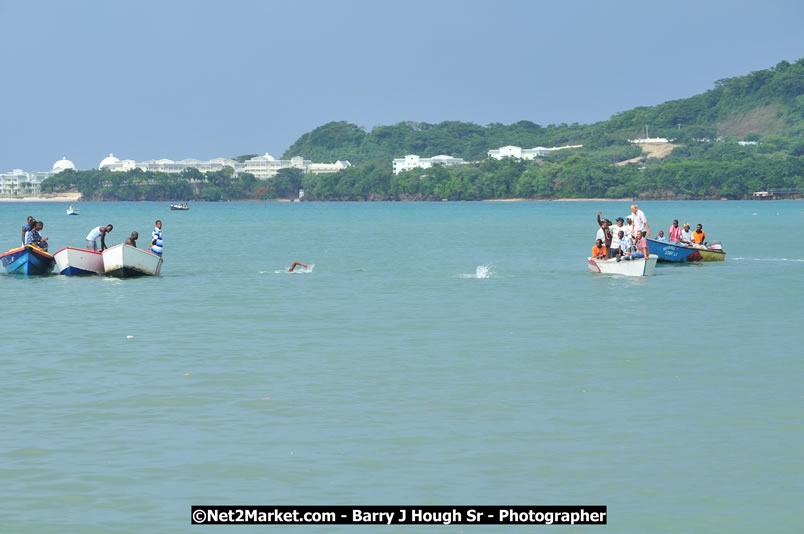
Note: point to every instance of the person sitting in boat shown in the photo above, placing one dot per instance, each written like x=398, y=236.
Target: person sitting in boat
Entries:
x=686, y=235
x=98, y=232
x=156, y=238
x=34, y=238
x=675, y=232
x=626, y=246
x=29, y=225
x=641, y=247
x=599, y=251
x=132, y=239
x=698, y=236
x=296, y=264
x=660, y=236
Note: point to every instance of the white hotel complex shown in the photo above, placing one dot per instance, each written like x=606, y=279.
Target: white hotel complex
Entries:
x=412, y=161
x=262, y=167
x=525, y=153
x=19, y=182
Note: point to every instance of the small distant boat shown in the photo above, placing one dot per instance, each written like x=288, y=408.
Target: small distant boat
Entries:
x=125, y=261
x=72, y=211
x=669, y=252
x=179, y=207
x=78, y=262
x=27, y=260
x=637, y=267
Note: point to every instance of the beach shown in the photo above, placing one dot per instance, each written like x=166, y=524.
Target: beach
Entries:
x=61, y=197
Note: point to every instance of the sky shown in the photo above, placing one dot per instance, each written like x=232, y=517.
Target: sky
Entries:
x=202, y=79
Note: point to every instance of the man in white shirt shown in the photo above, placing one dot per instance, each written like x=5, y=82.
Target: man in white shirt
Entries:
x=639, y=221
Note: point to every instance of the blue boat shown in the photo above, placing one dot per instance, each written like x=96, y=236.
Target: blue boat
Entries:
x=27, y=260
x=673, y=252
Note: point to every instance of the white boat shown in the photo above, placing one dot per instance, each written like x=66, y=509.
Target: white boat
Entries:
x=72, y=211
x=78, y=261
x=637, y=267
x=125, y=261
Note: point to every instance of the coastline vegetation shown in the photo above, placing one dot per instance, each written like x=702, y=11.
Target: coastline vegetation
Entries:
x=765, y=107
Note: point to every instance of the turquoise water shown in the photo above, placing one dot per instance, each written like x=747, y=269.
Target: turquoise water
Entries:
x=437, y=353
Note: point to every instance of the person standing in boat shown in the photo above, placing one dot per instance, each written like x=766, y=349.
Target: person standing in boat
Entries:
x=626, y=247
x=604, y=233
x=32, y=237
x=616, y=231
x=132, y=239
x=98, y=232
x=639, y=221
x=675, y=232
x=156, y=238
x=29, y=225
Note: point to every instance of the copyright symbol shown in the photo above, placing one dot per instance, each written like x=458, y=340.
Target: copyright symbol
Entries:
x=199, y=516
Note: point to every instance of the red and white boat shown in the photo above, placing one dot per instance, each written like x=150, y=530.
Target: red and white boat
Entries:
x=637, y=267
x=125, y=261
x=78, y=262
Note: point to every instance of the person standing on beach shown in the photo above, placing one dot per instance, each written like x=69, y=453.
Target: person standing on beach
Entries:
x=156, y=238
x=639, y=221
x=98, y=232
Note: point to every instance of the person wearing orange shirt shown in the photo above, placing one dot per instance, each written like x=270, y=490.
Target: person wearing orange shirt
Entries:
x=699, y=235
x=599, y=250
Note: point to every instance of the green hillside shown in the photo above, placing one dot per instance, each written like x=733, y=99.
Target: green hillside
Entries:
x=762, y=104
x=708, y=157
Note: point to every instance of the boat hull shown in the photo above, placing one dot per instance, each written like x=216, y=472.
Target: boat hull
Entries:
x=712, y=255
x=638, y=267
x=125, y=261
x=79, y=262
x=676, y=253
x=673, y=252
x=28, y=260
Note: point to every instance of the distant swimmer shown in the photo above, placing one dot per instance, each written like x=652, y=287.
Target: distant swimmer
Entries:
x=296, y=264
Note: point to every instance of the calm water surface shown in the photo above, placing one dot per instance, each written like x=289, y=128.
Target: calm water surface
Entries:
x=438, y=353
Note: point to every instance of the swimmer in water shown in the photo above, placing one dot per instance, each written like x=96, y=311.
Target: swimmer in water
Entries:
x=297, y=263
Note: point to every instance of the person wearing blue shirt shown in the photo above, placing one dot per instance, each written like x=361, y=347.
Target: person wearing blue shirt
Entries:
x=156, y=239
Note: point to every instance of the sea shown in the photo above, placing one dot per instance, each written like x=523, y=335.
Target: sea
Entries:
x=442, y=353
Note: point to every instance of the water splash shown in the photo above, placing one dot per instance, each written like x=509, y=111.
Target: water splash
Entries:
x=481, y=272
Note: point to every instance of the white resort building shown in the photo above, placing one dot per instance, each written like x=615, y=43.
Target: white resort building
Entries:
x=262, y=167
x=412, y=161
x=511, y=151
x=19, y=182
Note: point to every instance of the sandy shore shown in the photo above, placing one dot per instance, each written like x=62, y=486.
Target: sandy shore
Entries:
x=63, y=197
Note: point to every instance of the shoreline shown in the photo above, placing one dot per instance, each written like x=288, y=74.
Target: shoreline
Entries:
x=64, y=197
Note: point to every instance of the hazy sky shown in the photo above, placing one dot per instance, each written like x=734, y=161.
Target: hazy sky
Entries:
x=204, y=79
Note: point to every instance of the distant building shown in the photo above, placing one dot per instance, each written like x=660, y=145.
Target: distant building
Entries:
x=20, y=182
x=412, y=161
x=747, y=143
x=525, y=153
x=262, y=167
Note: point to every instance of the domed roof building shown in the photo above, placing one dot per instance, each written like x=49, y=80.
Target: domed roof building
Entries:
x=110, y=160
x=62, y=165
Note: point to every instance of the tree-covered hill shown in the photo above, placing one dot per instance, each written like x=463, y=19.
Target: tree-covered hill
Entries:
x=761, y=104
x=709, y=156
